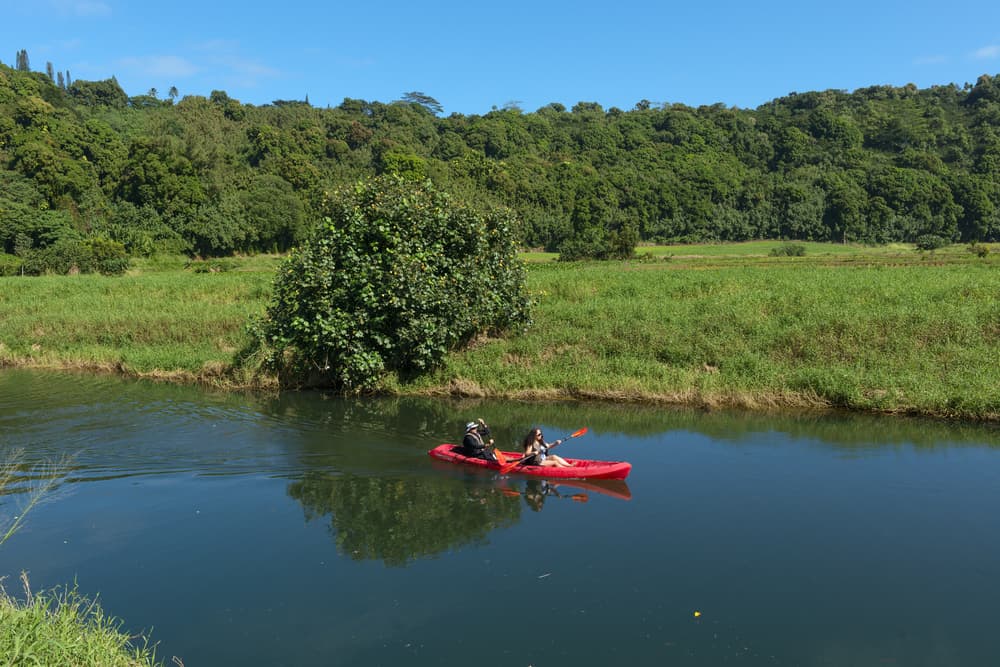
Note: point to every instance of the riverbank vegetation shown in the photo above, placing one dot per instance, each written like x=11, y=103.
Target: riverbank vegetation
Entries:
x=52, y=627
x=880, y=329
x=64, y=628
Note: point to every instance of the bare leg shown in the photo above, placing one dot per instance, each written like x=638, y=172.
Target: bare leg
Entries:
x=560, y=461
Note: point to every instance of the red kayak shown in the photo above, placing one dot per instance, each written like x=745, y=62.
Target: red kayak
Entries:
x=581, y=468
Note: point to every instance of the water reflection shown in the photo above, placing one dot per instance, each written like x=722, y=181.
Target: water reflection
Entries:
x=399, y=519
x=803, y=539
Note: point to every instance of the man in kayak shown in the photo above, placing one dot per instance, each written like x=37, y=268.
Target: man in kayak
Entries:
x=474, y=445
x=536, y=447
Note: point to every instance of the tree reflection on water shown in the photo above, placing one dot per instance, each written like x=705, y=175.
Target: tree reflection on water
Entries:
x=397, y=520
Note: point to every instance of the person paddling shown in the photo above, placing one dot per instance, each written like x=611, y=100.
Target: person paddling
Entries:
x=474, y=445
x=536, y=447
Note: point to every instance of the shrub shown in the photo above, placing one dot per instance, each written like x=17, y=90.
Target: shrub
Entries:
x=10, y=265
x=106, y=256
x=597, y=243
x=979, y=250
x=70, y=254
x=211, y=266
x=930, y=242
x=398, y=274
x=789, y=250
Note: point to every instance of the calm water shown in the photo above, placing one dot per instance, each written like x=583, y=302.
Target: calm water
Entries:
x=308, y=530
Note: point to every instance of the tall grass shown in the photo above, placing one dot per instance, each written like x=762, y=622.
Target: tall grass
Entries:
x=922, y=339
x=178, y=321
x=64, y=628
x=58, y=627
x=885, y=329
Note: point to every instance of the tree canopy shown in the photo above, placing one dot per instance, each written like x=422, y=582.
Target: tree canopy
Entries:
x=880, y=164
x=398, y=274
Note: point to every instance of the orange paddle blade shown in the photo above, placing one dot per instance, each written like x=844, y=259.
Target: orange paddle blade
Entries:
x=507, y=467
x=501, y=459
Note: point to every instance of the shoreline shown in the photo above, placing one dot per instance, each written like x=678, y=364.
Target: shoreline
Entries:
x=219, y=378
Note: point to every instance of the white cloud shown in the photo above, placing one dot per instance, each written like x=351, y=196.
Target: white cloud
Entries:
x=82, y=7
x=987, y=52
x=172, y=66
x=222, y=57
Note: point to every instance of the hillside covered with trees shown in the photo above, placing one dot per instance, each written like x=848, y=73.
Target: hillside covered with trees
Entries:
x=91, y=174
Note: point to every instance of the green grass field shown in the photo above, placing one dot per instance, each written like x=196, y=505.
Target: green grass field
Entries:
x=164, y=318
x=922, y=339
x=886, y=329
x=815, y=252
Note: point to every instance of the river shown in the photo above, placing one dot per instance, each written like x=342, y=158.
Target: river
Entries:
x=305, y=529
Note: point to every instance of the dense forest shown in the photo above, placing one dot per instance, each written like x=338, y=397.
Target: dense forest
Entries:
x=90, y=175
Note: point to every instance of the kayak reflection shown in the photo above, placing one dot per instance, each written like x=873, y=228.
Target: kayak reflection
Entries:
x=536, y=491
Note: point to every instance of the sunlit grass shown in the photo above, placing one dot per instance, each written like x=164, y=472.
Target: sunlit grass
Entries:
x=166, y=319
x=905, y=252
x=887, y=329
x=909, y=338
x=64, y=628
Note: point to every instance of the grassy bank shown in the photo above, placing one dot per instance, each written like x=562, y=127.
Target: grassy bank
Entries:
x=167, y=318
x=56, y=627
x=883, y=329
x=64, y=629
x=920, y=339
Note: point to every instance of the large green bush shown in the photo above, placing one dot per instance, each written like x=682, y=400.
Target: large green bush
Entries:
x=398, y=274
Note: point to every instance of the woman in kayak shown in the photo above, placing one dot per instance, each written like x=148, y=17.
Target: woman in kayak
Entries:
x=536, y=447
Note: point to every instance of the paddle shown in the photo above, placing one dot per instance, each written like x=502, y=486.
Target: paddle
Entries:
x=507, y=467
x=501, y=458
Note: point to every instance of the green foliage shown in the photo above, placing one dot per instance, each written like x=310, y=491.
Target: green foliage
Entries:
x=77, y=255
x=65, y=628
x=211, y=266
x=789, y=250
x=99, y=93
x=141, y=230
x=979, y=250
x=398, y=274
x=879, y=165
x=10, y=265
x=106, y=256
x=930, y=242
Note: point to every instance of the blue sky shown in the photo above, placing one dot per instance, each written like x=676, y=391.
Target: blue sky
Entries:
x=473, y=56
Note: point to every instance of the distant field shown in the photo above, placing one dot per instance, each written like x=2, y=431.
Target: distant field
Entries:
x=747, y=249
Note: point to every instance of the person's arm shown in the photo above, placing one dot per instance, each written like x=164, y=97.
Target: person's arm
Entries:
x=550, y=445
x=484, y=431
